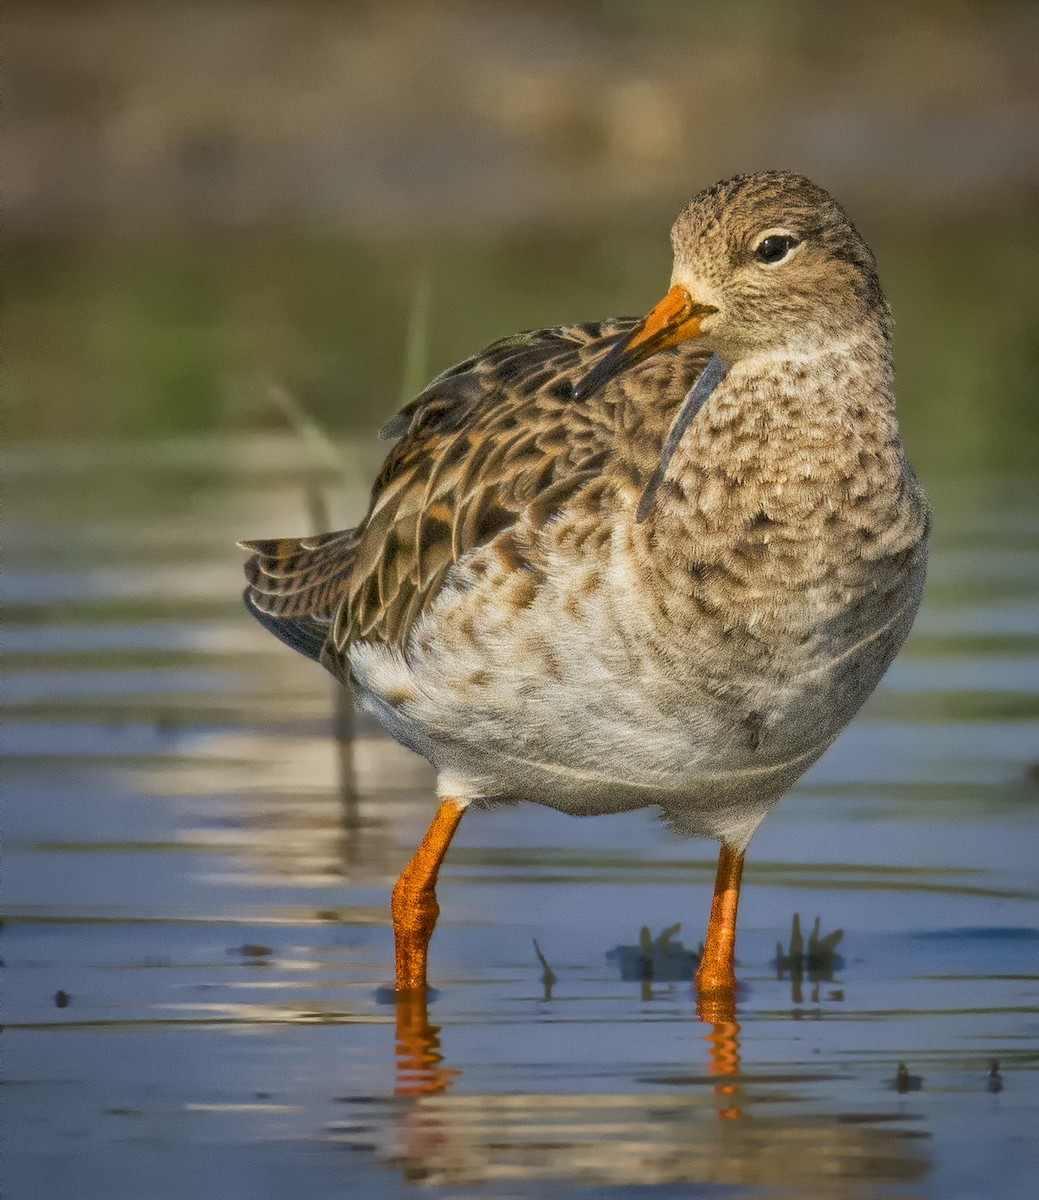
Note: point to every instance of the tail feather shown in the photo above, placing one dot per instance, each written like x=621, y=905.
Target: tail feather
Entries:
x=295, y=586
x=305, y=634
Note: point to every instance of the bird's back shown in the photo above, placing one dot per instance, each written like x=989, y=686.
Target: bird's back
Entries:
x=494, y=445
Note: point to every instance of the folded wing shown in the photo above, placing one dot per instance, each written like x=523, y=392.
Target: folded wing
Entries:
x=479, y=447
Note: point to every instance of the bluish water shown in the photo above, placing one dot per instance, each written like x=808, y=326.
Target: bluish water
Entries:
x=197, y=923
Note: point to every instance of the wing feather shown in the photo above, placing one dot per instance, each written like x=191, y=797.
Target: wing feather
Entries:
x=493, y=442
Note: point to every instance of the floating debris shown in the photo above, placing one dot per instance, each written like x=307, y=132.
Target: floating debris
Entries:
x=251, y=950
x=548, y=976
x=995, y=1080
x=61, y=999
x=166, y=724
x=661, y=958
x=819, y=960
x=904, y=1082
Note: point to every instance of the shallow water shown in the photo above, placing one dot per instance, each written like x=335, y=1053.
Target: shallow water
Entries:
x=197, y=926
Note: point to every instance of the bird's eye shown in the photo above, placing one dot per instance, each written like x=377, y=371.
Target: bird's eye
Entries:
x=774, y=248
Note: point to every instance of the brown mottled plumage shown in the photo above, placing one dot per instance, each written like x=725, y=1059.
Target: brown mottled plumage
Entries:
x=480, y=446
x=639, y=563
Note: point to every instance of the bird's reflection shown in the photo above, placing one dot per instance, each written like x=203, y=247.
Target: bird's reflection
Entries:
x=421, y=1070
x=682, y=1128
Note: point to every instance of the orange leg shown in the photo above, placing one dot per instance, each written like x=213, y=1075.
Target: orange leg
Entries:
x=716, y=978
x=415, y=908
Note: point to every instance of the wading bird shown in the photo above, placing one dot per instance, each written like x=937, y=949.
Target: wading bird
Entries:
x=656, y=562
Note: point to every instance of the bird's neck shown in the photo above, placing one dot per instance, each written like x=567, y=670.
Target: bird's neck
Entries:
x=791, y=433
x=790, y=483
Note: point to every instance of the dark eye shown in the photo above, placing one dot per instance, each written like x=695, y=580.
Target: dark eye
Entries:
x=775, y=248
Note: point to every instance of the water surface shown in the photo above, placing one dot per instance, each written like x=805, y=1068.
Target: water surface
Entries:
x=197, y=932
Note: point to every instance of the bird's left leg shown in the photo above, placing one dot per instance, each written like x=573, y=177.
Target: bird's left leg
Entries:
x=716, y=977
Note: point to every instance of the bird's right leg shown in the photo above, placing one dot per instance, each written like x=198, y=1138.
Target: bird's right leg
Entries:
x=414, y=903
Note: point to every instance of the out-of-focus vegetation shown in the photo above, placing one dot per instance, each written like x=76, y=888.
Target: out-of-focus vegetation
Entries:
x=200, y=198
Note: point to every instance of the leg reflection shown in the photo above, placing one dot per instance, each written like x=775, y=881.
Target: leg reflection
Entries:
x=725, y=1063
x=420, y=1069
x=724, y=1041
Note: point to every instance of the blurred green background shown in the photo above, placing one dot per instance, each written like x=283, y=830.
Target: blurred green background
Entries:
x=211, y=200
x=205, y=197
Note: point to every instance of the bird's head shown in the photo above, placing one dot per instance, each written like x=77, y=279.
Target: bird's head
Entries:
x=764, y=263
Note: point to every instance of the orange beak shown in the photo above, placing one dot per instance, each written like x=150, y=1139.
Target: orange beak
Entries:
x=675, y=319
